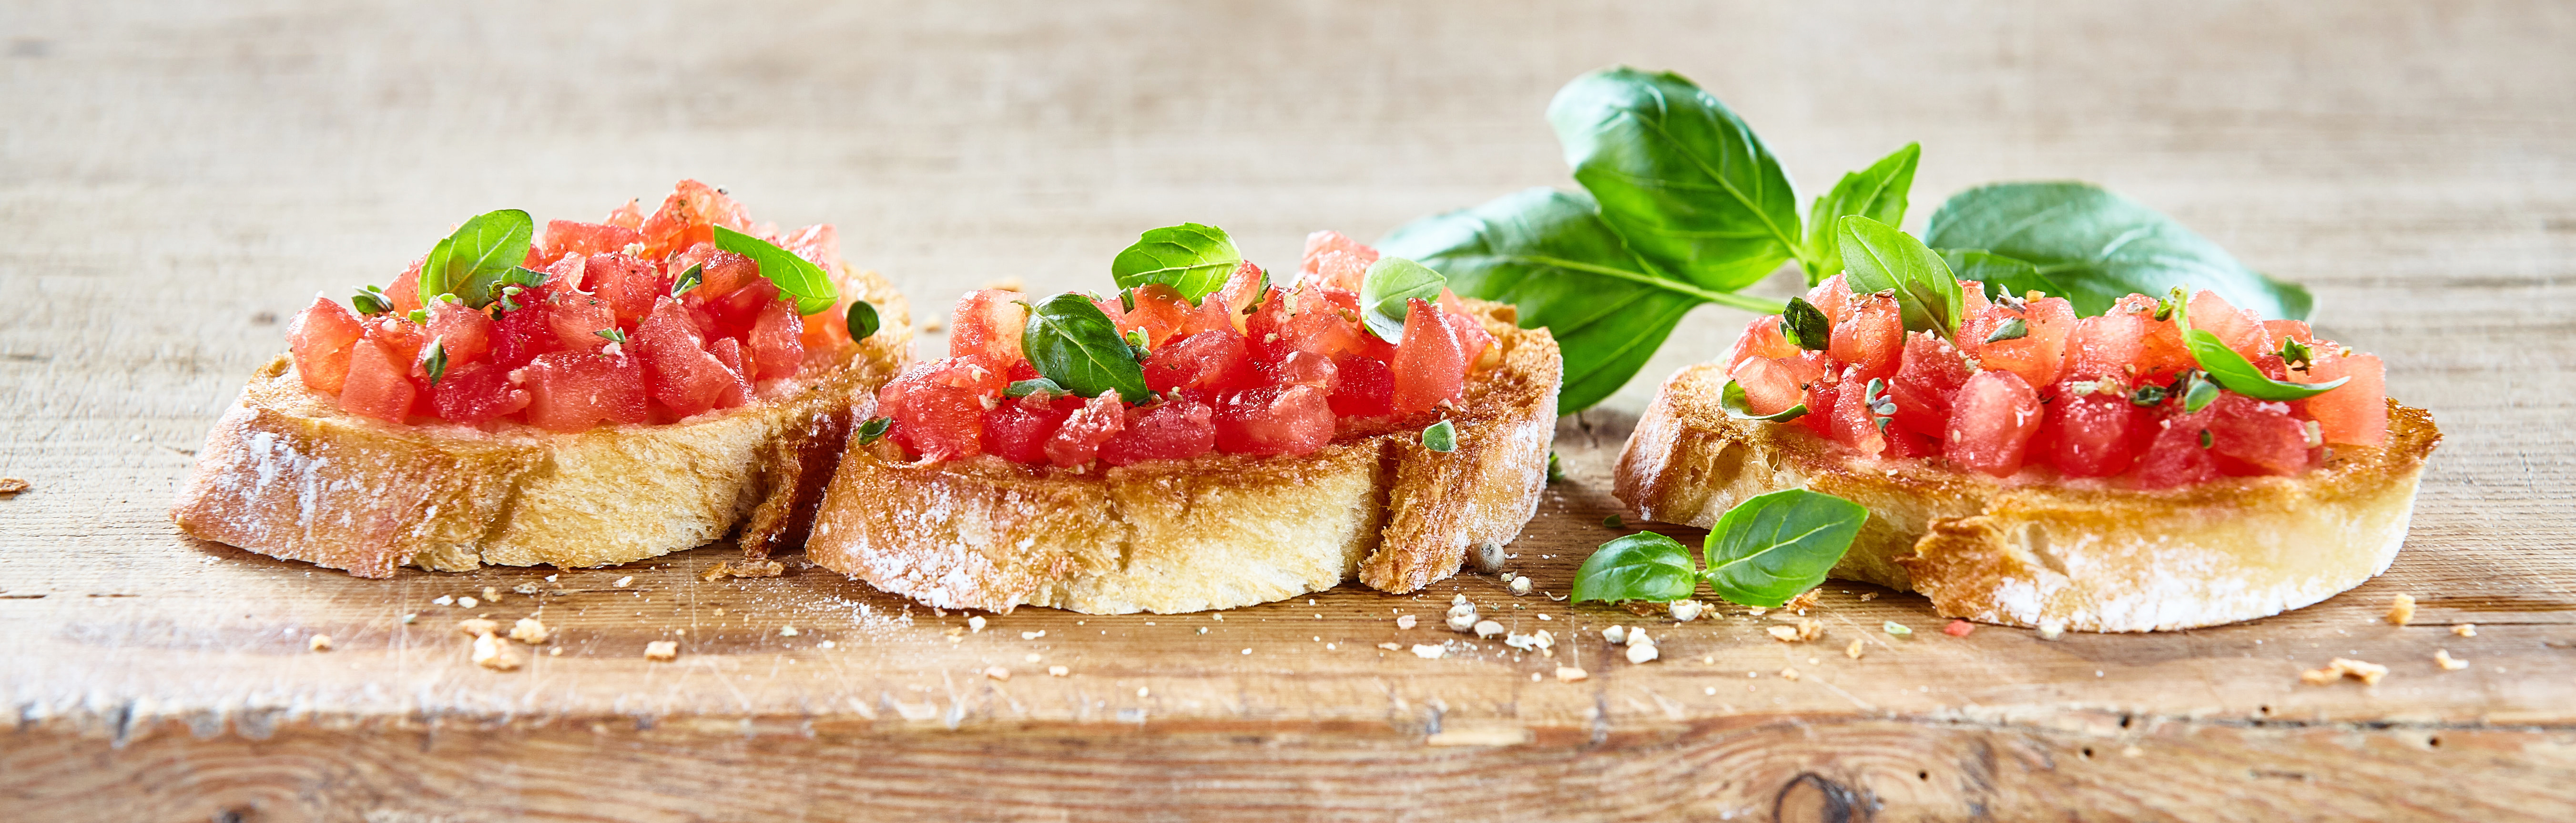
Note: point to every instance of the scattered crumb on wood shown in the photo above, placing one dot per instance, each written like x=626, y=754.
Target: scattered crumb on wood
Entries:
x=1784, y=634
x=1393, y=647
x=787, y=631
x=975, y=623
x=1803, y=631
x=467, y=602
x=1789, y=674
x=2465, y=629
x=1059, y=671
x=1430, y=652
x=1853, y=651
x=2443, y=658
x=1033, y=635
x=662, y=650
x=478, y=627
x=491, y=595
x=530, y=631
x=623, y=582
x=491, y=653
x=1569, y=674
x=1958, y=628
x=744, y=568
x=2339, y=668
x=10, y=486
x=1406, y=621
x=319, y=643
x=2401, y=609
x=1868, y=596
x=997, y=673
x=1802, y=602
x=1642, y=653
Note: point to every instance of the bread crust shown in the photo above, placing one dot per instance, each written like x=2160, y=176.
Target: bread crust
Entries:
x=1212, y=532
x=2035, y=550
x=288, y=474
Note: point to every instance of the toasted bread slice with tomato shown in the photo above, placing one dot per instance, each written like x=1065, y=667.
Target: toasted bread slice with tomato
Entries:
x=2034, y=550
x=1216, y=531
x=288, y=473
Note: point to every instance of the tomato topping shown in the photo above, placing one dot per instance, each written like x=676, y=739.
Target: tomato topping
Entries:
x=1851, y=421
x=1870, y=337
x=1079, y=438
x=464, y=333
x=1991, y=420
x=573, y=391
x=571, y=237
x=988, y=323
x=2177, y=456
x=685, y=377
x=1761, y=338
x=2355, y=413
x=1336, y=261
x=688, y=217
x=320, y=341
x=1430, y=362
x=476, y=392
x=1928, y=376
x=1018, y=430
x=1207, y=361
x=1176, y=430
x=379, y=382
x=1365, y=387
x=1770, y=386
x=2038, y=354
x=1274, y=420
x=2096, y=435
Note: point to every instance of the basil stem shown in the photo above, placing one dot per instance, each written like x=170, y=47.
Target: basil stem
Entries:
x=795, y=275
x=1072, y=342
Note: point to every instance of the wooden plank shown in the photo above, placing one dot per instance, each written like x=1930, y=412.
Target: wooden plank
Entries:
x=194, y=171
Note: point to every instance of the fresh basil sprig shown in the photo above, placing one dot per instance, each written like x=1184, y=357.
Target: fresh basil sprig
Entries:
x=1384, y=294
x=2098, y=247
x=861, y=319
x=1877, y=192
x=1683, y=179
x=2232, y=371
x=1877, y=258
x=1806, y=326
x=1739, y=405
x=1765, y=551
x=1073, y=343
x=482, y=249
x=1191, y=258
x=795, y=275
x=873, y=429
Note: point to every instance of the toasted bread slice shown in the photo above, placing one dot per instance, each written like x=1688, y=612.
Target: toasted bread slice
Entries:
x=1212, y=532
x=2036, y=550
x=288, y=474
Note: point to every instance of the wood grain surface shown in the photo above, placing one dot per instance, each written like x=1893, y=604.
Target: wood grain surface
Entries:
x=179, y=177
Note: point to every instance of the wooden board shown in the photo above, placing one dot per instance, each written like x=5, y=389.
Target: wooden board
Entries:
x=180, y=179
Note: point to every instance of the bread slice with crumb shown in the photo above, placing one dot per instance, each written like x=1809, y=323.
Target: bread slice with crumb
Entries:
x=1217, y=531
x=2038, y=551
x=287, y=473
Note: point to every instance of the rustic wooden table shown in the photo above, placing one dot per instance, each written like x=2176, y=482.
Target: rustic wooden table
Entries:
x=179, y=178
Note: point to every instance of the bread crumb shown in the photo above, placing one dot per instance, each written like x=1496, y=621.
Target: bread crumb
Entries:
x=1615, y=634
x=1488, y=628
x=1059, y=671
x=2441, y=657
x=2368, y=673
x=1406, y=621
x=1430, y=652
x=10, y=486
x=2051, y=629
x=933, y=323
x=1142, y=691
x=467, y=602
x=408, y=619
x=443, y=600
x=1033, y=635
x=319, y=643
x=622, y=582
x=1521, y=585
x=528, y=630
x=975, y=623
x=1958, y=628
x=1637, y=637
x=1789, y=674
x=555, y=652
x=1642, y=653
x=1687, y=610
x=998, y=673
x=491, y=653
x=1868, y=596
x=662, y=650
x=2465, y=629
x=719, y=611
x=1569, y=674
x=526, y=588
x=1801, y=603
x=1784, y=634
x=1033, y=657
x=2401, y=609
x=1853, y=651
x=1393, y=647
x=787, y=631
x=478, y=626
x=491, y=595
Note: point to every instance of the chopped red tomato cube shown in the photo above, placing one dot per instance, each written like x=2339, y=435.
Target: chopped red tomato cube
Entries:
x=2093, y=434
x=988, y=323
x=683, y=376
x=1991, y=421
x=574, y=391
x=2241, y=330
x=687, y=217
x=379, y=382
x=320, y=341
x=476, y=392
x=2038, y=355
x=1078, y=440
x=2355, y=412
x=1833, y=297
x=464, y=333
x=572, y=237
x=2179, y=455
x=1365, y=388
x=1274, y=420
x=2254, y=437
x=1928, y=376
x=776, y=341
x=1770, y=386
x=1761, y=338
x=1208, y=361
x=1430, y=362
x=1871, y=337
x=1173, y=430
x=1018, y=430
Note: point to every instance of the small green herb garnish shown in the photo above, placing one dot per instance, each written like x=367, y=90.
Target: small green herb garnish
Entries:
x=420, y=315
x=1895, y=629
x=2297, y=355
x=1387, y=292
x=1072, y=342
x=2205, y=439
x=434, y=360
x=1037, y=385
x=862, y=320
x=1763, y=552
x=2013, y=329
x=2148, y=396
x=2197, y=391
x=873, y=429
x=371, y=301
x=1440, y=437
x=1739, y=406
x=1136, y=339
x=469, y=261
x=614, y=335
x=794, y=275
x=2231, y=370
x=689, y=280
x=1554, y=472
x=1614, y=522
x=1191, y=258
x=1805, y=325
x=1882, y=408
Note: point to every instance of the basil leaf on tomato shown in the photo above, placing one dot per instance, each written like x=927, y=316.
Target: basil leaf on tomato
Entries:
x=1073, y=343
x=2235, y=374
x=795, y=275
x=1641, y=566
x=1877, y=258
x=1192, y=259
x=1776, y=546
x=1386, y=293
x=1739, y=406
x=482, y=250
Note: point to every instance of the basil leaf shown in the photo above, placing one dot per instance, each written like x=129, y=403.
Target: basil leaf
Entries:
x=2013, y=329
x=2232, y=371
x=689, y=280
x=2102, y=246
x=862, y=319
x=1024, y=388
x=1877, y=192
x=484, y=286
x=368, y=302
x=1550, y=253
x=1072, y=343
x=1806, y=325
x=1641, y=566
x=794, y=275
x=1879, y=258
x=482, y=248
x=873, y=429
x=1738, y=406
x=1390, y=283
x=1683, y=179
x=1773, y=547
x=434, y=360
x=1440, y=437
x=2001, y=276
x=1191, y=258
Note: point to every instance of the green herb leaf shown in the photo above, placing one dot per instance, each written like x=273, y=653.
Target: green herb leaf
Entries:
x=1641, y=566
x=689, y=280
x=1739, y=406
x=2297, y=355
x=420, y=315
x=1684, y=180
x=613, y=334
x=2002, y=276
x=1038, y=385
x=1613, y=522
x=1390, y=283
x=1072, y=343
x=1894, y=628
x=1806, y=325
x=1551, y=254
x=2101, y=246
x=796, y=276
x=1877, y=193
x=2149, y=396
x=873, y=429
x=2197, y=391
x=481, y=249
x=2013, y=329
x=370, y=303
x=2232, y=371
x=862, y=320
x=1877, y=257
x=1554, y=471
x=1191, y=258
x=484, y=286
x=1773, y=547
x=434, y=360
x=2205, y=439
x=1440, y=437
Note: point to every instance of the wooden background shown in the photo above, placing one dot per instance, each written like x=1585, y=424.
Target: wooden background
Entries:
x=177, y=177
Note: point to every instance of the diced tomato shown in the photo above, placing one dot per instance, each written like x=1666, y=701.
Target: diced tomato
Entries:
x=776, y=341
x=1174, y=430
x=1833, y=297
x=1770, y=385
x=988, y=323
x=569, y=273
x=1160, y=311
x=938, y=407
x=1341, y=270
x=1851, y=421
x=320, y=340
x=1929, y=375
x=2280, y=330
x=2253, y=437
x=686, y=217
x=1366, y=387
x=1430, y=362
x=577, y=319
x=1822, y=394
x=1473, y=339
x=1972, y=299
x=1018, y=430
x=2176, y=456
x=2095, y=434
x=1242, y=286
x=519, y=336
x=2160, y=348
x=2105, y=346
x=1992, y=419
x=1304, y=369
x=1871, y=337
x=2038, y=355
x=476, y=392
x=736, y=312
x=629, y=285
x=404, y=294
x=2241, y=330
x=572, y=237
x=728, y=351
x=1078, y=440
x=629, y=216
x=2355, y=412
x=1327, y=323
x=379, y=382
x=573, y=391
x=1323, y=243
x=678, y=370
x=1274, y=420
x=1209, y=360
x=464, y=333
x=1904, y=445
x=401, y=338
x=1761, y=338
